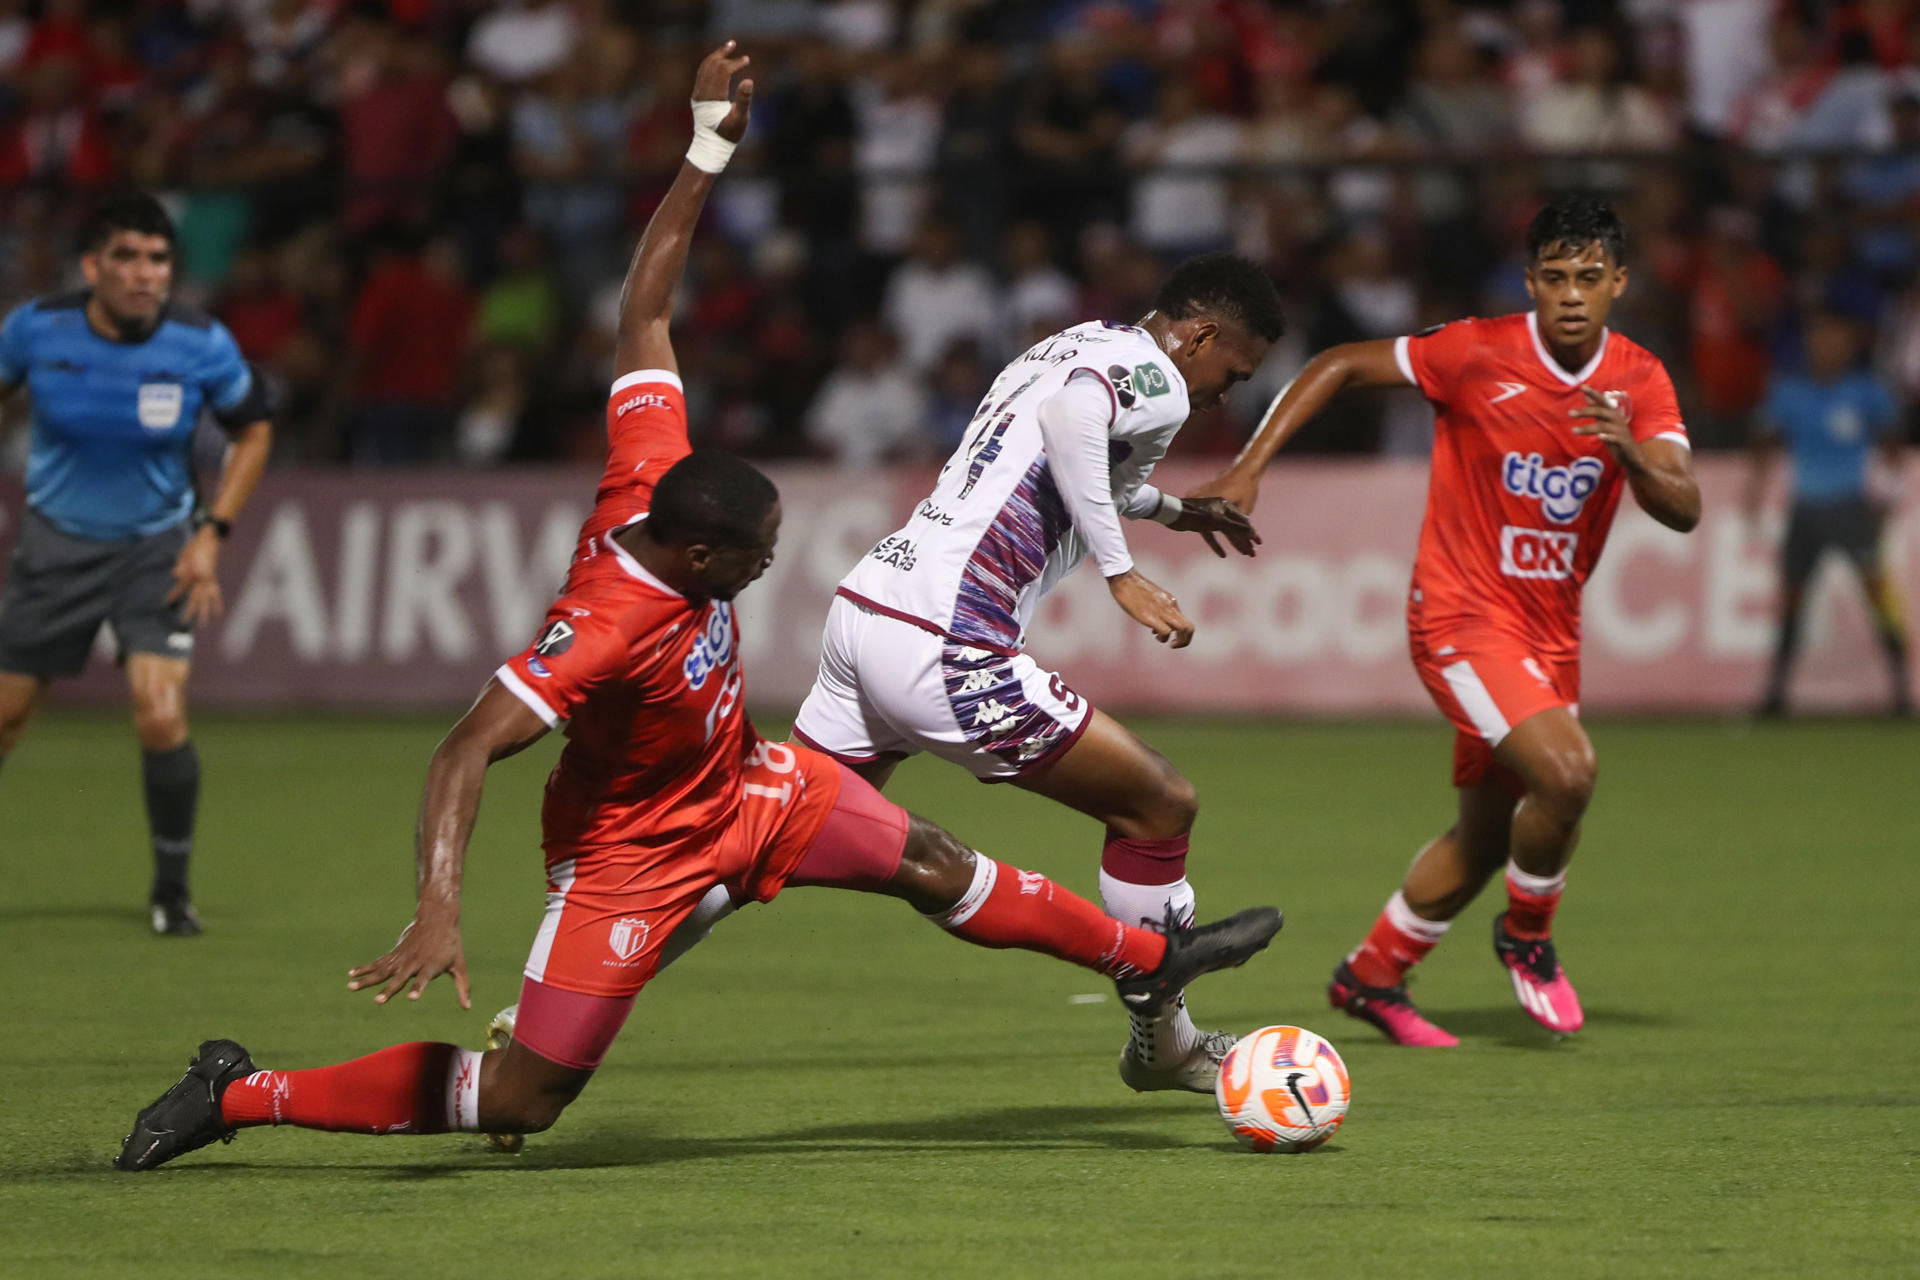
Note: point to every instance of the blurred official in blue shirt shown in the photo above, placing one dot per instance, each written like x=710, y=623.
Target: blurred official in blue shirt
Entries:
x=1831, y=419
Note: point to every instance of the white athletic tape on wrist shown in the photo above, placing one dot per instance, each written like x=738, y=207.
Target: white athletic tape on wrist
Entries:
x=1170, y=510
x=709, y=152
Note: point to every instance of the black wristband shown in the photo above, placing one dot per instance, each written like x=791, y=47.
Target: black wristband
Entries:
x=222, y=529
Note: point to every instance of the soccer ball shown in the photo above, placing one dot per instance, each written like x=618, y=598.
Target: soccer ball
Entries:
x=1282, y=1089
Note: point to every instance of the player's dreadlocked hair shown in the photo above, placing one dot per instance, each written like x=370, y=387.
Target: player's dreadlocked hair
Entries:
x=1570, y=223
x=127, y=211
x=713, y=499
x=1227, y=286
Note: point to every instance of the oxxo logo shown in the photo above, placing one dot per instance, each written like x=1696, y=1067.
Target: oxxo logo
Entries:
x=1537, y=553
x=713, y=649
x=1561, y=491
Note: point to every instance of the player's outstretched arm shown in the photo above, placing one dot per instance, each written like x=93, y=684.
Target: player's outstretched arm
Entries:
x=1660, y=472
x=495, y=727
x=1353, y=364
x=646, y=299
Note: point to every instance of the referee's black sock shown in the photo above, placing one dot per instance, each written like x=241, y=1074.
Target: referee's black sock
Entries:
x=172, y=780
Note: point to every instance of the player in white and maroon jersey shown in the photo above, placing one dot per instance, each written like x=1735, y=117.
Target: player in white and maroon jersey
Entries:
x=924, y=644
x=664, y=795
x=1543, y=419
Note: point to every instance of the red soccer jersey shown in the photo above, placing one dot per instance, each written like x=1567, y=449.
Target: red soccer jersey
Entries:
x=647, y=682
x=1518, y=507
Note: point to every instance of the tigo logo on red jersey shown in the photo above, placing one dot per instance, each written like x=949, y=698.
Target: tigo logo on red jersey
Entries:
x=645, y=400
x=1537, y=553
x=714, y=648
x=1561, y=491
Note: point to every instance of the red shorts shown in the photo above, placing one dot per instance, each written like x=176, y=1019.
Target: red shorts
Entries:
x=611, y=909
x=1486, y=682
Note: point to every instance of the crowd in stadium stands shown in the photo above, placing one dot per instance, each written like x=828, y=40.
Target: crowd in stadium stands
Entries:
x=416, y=212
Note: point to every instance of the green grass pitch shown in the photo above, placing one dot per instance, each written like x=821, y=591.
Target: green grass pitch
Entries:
x=830, y=1087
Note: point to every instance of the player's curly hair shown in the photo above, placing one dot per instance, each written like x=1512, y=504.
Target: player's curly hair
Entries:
x=1225, y=285
x=1570, y=223
x=127, y=211
x=713, y=499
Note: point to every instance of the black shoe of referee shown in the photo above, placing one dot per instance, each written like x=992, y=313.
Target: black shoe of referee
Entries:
x=174, y=917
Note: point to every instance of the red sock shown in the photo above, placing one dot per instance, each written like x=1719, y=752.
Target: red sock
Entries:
x=1398, y=941
x=411, y=1088
x=1531, y=901
x=1008, y=907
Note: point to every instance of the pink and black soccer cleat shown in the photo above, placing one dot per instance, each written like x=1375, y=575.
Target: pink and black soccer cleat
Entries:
x=1538, y=980
x=1388, y=1009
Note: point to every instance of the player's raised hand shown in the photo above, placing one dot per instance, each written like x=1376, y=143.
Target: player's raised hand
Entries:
x=1210, y=516
x=1242, y=491
x=427, y=948
x=196, y=587
x=1608, y=418
x=1153, y=607
x=713, y=82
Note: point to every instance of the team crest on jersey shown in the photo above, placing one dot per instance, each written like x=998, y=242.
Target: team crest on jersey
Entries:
x=1561, y=491
x=159, y=405
x=556, y=639
x=1122, y=379
x=712, y=649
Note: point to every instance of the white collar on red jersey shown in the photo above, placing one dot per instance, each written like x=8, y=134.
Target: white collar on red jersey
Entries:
x=1546, y=356
x=633, y=567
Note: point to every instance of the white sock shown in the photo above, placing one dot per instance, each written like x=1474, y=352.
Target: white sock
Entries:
x=716, y=906
x=1168, y=1039
x=463, y=1091
x=1537, y=886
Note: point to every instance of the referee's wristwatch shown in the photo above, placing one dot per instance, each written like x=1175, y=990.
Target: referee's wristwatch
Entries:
x=222, y=529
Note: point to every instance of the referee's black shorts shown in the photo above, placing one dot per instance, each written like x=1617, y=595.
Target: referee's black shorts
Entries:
x=1850, y=525
x=60, y=588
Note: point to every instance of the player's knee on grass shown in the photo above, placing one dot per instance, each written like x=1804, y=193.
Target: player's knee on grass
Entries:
x=159, y=713
x=935, y=868
x=522, y=1092
x=1164, y=808
x=1562, y=779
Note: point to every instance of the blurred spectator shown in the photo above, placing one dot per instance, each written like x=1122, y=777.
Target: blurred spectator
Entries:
x=520, y=310
x=569, y=140
x=975, y=143
x=898, y=136
x=1066, y=137
x=59, y=138
x=1176, y=211
x=937, y=298
x=1885, y=190
x=493, y=416
x=406, y=345
x=1040, y=298
x=959, y=381
x=522, y=40
x=1597, y=108
x=870, y=409
x=1737, y=291
x=397, y=129
x=1726, y=56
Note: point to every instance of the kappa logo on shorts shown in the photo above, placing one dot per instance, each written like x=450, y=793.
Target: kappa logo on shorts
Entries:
x=159, y=405
x=628, y=938
x=1537, y=553
x=992, y=711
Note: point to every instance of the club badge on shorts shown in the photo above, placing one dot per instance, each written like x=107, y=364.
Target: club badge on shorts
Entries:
x=159, y=405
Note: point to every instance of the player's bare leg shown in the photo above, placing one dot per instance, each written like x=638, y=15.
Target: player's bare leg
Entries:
x=1148, y=809
x=170, y=776
x=19, y=695
x=1370, y=984
x=1551, y=755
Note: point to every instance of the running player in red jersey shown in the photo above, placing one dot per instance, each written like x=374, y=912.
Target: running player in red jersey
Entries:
x=1543, y=418
x=664, y=792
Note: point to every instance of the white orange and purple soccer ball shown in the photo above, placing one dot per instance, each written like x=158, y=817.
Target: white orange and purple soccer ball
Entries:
x=1283, y=1089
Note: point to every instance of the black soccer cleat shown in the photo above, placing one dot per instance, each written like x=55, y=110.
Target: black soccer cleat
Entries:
x=187, y=1116
x=1224, y=944
x=174, y=917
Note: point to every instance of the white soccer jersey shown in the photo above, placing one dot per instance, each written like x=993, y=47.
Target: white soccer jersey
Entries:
x=995, y=535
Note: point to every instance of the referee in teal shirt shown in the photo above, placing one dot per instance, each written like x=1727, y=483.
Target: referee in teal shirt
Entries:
x=1831, y=420
x=118, y=377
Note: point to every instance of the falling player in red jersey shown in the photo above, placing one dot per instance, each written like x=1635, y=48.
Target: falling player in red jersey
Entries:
x=1543, y=418
x=664, y=792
